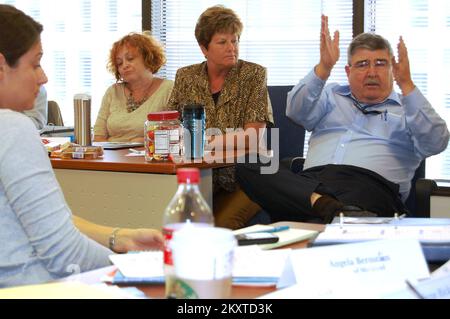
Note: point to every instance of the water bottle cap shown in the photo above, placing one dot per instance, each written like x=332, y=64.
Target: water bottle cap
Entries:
x=188, y=175
x=199, y=107
x=163, y=116
x=197, y=110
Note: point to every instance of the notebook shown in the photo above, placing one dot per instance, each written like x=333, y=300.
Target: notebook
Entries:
x=54, y=131
x=286, y=237
x=252, y=266
x=118, y=145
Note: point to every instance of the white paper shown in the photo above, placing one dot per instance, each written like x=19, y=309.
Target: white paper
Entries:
x=91, y=277
x=352, y=233
x=252, y=228
x=140, y=265
x=135, y=154
x=252, y=262
x=350, y=291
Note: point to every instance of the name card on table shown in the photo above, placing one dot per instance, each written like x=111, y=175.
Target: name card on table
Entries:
x=432, y=288
x=382, y=263
x=436, y=288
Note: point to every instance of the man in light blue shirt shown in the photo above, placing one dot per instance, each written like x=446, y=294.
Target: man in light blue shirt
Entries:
x=367, y=140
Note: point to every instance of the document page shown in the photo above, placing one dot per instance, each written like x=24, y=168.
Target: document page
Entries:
x=352, y=233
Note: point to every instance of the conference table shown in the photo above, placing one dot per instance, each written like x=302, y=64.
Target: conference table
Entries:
x=251, y=292
x=122, y=190
x=245, y=292
x=157, y=291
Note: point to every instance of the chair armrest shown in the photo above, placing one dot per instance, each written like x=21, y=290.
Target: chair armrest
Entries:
x=424, y=190
x=294, y=164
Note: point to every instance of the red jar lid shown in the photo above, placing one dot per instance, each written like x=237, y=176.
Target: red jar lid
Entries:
x=163, y=116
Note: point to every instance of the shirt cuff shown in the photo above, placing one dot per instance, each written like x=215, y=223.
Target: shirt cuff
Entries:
x=414, y=102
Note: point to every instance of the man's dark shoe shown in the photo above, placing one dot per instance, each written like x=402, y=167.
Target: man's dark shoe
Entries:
x=326, y=207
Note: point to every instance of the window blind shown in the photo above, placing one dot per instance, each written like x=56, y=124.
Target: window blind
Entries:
x=281, y=35
x=76, y=40
x=425, y=26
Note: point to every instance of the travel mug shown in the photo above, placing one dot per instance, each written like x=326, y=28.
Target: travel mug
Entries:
x=194, y=130
x=82, y=113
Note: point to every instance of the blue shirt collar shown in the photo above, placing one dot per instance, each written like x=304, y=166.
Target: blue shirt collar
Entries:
x=344, y=90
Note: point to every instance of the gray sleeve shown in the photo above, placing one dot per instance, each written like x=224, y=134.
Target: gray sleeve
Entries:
x=38, y=114
x=34, y=195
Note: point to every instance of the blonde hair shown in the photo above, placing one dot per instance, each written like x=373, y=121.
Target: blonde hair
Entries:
x=151, y=50
x=216, y=19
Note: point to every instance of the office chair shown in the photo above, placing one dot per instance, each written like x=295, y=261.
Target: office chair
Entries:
x=54, y=116
x=291, y=139
x=412, y=202
x=292, y=135
x=424, y=189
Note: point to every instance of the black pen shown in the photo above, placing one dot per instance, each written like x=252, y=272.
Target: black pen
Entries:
x=414, y=290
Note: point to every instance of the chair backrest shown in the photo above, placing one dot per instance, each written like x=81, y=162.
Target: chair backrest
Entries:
x=292, y=135
x=54, y=116
x=411, y=202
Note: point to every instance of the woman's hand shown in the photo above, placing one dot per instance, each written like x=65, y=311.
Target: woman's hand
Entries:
x=138, y=239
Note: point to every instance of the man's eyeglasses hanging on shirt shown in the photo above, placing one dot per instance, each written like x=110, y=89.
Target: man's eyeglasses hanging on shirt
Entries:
x=371, y=112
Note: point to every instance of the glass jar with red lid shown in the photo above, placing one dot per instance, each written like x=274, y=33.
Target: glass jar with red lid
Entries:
x=162, y=136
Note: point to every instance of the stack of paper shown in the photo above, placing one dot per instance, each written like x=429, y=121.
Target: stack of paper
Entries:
x=138, y=268
x=251, y=266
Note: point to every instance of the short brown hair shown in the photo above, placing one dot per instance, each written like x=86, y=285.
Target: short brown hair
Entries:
x=369, y=41
x=152, y=51
x=216, y=19
x=18, y=33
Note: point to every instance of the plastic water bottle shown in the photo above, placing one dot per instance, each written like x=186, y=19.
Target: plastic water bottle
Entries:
x=187, y=207
x=194, y=122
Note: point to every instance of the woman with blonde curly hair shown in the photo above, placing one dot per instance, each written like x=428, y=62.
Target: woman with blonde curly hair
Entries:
x=133, y=60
